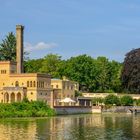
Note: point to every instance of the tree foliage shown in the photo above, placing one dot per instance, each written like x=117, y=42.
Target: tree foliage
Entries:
x=111, y=100
x=93, y=75
x=33, y=66
x=126, y=100
x=50, y=64
x=131, y=72
x=8, y=48
x=97, y=100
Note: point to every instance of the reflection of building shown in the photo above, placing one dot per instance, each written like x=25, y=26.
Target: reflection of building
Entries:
x=15, y=84
x=63, y=89
x=18, y=130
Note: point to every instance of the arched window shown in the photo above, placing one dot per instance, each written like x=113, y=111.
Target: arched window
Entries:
x=16, y=84
x=27, y=83
x=34, y=84
x=30, y=83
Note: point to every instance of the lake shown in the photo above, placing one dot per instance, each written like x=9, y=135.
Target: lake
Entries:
x=73, y=127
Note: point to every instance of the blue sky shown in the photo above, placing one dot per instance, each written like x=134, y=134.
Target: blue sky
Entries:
x=108, y=28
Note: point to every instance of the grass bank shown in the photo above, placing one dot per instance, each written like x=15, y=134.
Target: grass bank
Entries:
x=25, y=109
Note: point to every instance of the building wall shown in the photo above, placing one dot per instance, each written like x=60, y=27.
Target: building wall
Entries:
x=33, y=86
x=63, y=89
x=15, y=85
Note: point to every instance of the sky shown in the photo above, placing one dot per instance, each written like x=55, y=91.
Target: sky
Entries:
x=109, y=28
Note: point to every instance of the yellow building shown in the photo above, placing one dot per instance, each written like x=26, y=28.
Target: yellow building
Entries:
x=15, y=84
x=63, y=88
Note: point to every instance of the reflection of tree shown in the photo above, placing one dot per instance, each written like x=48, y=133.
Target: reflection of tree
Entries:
x=126, y=125
x=81, y=129
x=117, y=127
x=85, y=127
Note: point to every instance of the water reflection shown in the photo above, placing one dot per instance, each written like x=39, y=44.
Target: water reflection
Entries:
x=76, y=127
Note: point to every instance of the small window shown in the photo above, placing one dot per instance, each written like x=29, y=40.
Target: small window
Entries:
x=3, y=71
x=30, y=83
x=31, y=93
x=34, y=84
x=27, y=83
x=56, y=86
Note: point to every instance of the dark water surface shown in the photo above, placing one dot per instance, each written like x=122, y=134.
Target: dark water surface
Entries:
x=74, y=127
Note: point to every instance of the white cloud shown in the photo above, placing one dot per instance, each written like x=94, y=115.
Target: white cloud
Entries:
x=39, y=46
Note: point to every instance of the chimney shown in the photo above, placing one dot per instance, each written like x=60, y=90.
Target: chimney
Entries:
x=19, y=48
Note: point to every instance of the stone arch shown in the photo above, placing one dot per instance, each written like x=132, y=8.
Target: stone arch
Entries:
x=18, y=97
x=12, y=97
x=6, y=97
x=16, y=84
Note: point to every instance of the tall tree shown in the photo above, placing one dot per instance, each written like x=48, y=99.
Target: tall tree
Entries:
x=8, y=48
x=51, y=64
x=33, y=65
x=79, y=69
x=131, y=72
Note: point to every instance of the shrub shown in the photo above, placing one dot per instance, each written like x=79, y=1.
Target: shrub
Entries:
x=97, y=100
x=137, y=102
x=26, y=109
x=126, y=100
x=112, y=100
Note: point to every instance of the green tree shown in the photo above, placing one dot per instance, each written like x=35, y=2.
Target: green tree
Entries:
x=102, y=77
x=112, y=100
x=80, y=69
x=8, y=48
x=33, y=65
x=115, y=69
x=126, y=100
x=51, y=64
x=78, y=93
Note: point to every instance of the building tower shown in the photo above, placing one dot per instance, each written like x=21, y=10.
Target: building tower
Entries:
x=19, y=48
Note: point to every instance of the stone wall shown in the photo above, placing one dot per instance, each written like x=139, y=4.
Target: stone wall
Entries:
x=67, y=110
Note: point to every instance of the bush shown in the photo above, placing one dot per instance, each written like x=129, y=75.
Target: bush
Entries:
x=97, y=100
x=26, y=109
x=112, y=100
x=137, y=102
x=126, y=100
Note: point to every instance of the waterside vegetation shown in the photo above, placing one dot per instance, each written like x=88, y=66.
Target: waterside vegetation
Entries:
x=112, y=100
x=25, y=109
